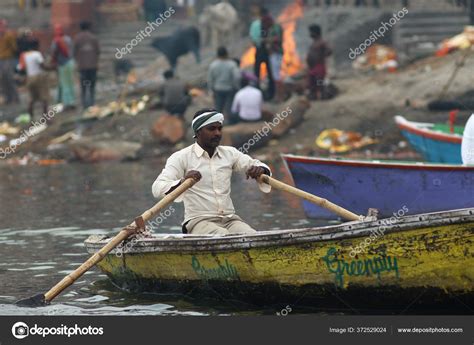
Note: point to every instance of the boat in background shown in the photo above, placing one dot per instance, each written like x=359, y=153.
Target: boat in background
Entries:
x=424, y=257
x=434, y=141
x=358, y=185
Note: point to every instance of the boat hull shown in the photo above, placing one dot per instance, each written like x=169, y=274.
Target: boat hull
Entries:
x=393, y=189
x=310, y=264
x=433, y=150
x=434, y=147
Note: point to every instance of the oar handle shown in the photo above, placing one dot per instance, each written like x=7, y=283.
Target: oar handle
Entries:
x=168, y=199
x=310, y=197
x=115, y=241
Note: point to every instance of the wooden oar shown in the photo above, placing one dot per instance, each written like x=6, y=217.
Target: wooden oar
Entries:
x=310, y=197
x=137, y=225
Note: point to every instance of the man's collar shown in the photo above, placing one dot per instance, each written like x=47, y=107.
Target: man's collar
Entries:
x=199, y=151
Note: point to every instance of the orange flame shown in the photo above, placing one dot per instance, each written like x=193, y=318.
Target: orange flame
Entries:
x=291, y=61
x=132, y=77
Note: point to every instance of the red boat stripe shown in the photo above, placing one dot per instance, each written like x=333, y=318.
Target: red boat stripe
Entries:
x=430, y=134
x=297, y=159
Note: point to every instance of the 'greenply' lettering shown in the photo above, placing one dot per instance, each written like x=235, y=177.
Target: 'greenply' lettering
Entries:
x=222, y=272
x=368, y=267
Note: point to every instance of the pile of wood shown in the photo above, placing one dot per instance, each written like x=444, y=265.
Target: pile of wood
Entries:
x=92, y=151
x=169, y=129
x=257, y=134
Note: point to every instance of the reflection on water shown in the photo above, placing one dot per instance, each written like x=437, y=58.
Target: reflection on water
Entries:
x=47, y=212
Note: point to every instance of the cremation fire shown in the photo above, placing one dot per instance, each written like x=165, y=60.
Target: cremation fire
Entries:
x=291, y=61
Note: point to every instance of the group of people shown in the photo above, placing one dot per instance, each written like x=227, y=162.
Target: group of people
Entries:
x=21, y=54
x=235, y=92
x=238, y=94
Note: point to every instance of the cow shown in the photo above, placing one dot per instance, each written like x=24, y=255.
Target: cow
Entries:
x=220, y=24
x=180, y=42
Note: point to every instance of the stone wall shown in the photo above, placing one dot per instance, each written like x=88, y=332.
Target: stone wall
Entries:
x=70, y=13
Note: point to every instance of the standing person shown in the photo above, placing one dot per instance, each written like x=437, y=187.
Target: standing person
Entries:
x=316, y=61
x=8, y=51
x=63, y=58
x=247, y=104
x=274, y=46
x=259, y=33
x=208, y=208
x=223, y=79
x=32, y=62
x=175, y=94
x=24, y=40
x=256, y=26
x=86, y=53
x=153, y=9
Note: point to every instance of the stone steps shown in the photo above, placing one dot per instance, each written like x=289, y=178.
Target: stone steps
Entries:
x=420, y=33
x=39, y=18
x=113, y=37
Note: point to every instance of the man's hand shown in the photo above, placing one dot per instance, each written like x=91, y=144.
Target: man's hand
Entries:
x=194, y=174
x=255, y=172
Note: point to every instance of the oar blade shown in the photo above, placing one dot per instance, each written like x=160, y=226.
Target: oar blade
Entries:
x=139, y=223
x=35, y=301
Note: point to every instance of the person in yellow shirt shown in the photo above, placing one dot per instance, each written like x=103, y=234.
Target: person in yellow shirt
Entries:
x=8, y=51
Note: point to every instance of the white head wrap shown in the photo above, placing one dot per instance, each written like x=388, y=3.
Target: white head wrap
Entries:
x=206, y=119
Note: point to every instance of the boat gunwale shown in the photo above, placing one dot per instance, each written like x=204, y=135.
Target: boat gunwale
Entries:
x=416, y=128
x=375, y=163
x=189, y=243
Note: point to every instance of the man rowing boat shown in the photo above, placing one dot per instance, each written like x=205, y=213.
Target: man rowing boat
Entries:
x=208, y=208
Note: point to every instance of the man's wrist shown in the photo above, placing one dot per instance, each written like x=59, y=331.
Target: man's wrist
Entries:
x=266, y=171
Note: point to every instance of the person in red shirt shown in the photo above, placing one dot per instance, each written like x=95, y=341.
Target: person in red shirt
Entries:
x=316, y=61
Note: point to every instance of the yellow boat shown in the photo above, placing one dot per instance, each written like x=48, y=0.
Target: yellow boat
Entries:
x=387, y=264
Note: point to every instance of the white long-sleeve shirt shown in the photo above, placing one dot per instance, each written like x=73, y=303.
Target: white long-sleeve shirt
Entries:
x=211, y=195
x=248, y=103
x=467, y=146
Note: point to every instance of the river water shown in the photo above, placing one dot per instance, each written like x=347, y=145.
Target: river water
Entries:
x=47, y=212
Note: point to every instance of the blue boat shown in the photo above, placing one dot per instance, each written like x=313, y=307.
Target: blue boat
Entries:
x=390, y=187
x=433, y=141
